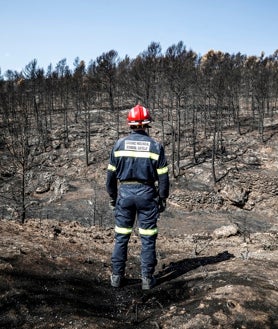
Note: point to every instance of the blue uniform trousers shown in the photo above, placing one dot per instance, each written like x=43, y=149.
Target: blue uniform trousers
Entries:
x=136, y=200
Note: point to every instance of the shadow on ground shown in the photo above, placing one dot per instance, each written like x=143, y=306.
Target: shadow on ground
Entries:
x=36, y=299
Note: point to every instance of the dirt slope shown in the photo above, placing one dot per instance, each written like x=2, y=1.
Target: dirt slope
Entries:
x=56, y=275
x=217, y=248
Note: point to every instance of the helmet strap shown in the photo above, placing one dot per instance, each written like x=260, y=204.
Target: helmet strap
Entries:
x=139, y=127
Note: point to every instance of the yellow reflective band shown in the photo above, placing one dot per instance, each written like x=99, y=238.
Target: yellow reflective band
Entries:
x=163, y=170
x=135, y=154
x=150, y=231
x=123, y=230
x=112, y=168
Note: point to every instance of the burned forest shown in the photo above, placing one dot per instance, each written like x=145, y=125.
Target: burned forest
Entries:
x=217, y=117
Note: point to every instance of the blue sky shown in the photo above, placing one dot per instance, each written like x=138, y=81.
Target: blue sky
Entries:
x=50, y=30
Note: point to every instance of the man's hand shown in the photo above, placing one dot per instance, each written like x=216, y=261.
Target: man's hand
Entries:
x=161, y=205
x=112, y=204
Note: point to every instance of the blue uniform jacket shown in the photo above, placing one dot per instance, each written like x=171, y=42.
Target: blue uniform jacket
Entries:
x=138, y=157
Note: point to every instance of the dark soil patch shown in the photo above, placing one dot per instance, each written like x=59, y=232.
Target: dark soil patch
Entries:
x=61, y=280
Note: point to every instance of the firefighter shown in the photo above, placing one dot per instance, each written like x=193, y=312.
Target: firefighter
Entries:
x=138, y=185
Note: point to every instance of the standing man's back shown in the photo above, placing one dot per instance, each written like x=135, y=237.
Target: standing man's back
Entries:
x=137, y=162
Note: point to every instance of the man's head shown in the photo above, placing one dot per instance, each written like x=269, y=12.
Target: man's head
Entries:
x=139, y=117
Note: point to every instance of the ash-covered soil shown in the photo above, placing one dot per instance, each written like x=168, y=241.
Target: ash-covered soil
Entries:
x=55, y=274
x=217, y=246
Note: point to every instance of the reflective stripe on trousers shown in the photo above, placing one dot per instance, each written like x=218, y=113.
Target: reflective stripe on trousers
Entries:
x=128, y=230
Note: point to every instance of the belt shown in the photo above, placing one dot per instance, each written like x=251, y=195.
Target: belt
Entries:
x=127, y=182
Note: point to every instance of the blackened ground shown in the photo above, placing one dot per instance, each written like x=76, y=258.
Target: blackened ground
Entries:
x=56, y=275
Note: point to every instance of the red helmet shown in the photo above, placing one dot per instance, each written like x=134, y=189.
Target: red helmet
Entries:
x=138, y=116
